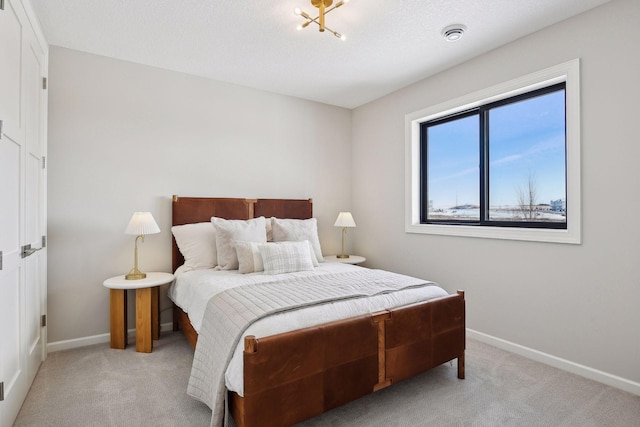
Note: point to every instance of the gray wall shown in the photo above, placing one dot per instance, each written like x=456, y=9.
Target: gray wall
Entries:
x=575, y=302
x=125, y=137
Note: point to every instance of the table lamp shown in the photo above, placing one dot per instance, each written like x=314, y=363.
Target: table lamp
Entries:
x=345, y=220
x=141, y=223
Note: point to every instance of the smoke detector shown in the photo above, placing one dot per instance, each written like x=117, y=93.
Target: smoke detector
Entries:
x=454, y=32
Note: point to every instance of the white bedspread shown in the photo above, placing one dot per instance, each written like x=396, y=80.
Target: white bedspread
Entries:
x=192, y=290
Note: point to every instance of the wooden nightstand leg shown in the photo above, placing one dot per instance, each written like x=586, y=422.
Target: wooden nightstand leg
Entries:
x=144, y=343
x=118, y=318
x=155, y=313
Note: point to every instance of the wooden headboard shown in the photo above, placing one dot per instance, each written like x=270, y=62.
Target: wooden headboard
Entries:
x=189, y=210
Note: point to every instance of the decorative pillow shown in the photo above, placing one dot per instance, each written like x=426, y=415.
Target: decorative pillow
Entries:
x=197, y=244
x=286, y=257
x=228, y=230
x=311, y=251
x=249, y=258
x=296, y=230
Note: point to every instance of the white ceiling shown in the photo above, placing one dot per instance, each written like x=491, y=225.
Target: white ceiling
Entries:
x=254, y=43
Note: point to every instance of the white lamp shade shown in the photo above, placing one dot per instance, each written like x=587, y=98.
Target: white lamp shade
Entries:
x=142, y=223
x=345, y=220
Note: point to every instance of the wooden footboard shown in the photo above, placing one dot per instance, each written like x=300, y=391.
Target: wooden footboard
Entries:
x=297, y=375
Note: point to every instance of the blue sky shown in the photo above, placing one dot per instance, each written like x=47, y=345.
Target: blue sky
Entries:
x=527, y=139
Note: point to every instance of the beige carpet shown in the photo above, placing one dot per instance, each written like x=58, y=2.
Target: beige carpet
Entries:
x=98, y=386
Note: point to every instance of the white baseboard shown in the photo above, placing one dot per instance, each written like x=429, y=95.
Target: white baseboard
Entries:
x=557, y=362
x=95, y=339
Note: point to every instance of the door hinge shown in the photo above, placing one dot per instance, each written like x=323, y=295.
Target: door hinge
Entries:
x=44, y=83
x=1, y=4
x=0, y=260
x=43, y=320
x=1, y=391
x=44, y=162
x=44, y=241
x=0, y=129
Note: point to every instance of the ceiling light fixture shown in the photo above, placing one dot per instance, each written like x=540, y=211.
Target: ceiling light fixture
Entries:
x=322, y=6
x=453, y=33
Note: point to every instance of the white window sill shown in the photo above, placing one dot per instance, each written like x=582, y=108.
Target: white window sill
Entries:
x=505, y=233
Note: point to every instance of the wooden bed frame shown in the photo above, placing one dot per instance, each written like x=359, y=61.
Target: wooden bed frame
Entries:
x=297, y=375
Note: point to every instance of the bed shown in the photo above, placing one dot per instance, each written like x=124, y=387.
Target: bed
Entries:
x=295, y=375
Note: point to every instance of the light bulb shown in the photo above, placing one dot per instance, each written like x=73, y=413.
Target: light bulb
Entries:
x=297, y=11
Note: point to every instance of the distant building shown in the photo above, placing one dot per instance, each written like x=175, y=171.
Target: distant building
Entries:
x=559, y=205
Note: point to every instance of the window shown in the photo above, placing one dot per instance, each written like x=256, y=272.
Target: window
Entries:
x=500, y=163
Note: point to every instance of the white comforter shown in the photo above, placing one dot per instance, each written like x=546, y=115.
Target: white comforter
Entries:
x=192, y=290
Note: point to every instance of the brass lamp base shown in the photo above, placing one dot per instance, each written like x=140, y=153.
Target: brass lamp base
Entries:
x=135, y=274
x=342, y=254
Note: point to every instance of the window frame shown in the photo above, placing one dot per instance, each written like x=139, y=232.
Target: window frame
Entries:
x=567, y=73
x=484, y=173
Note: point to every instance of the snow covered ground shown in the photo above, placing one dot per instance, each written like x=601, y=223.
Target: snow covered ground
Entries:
x=504, y=214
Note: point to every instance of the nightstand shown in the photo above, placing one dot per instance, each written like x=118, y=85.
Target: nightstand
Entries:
x=353, y=259
x=147, y=313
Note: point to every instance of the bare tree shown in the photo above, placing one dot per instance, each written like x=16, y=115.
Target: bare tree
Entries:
x=528, y=199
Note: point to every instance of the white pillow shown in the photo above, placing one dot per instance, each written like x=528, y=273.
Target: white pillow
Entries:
x=249, y=258
x=228, y=230
x=269, y=231
x=197, y=244
x=286, y=257
x=295, y=230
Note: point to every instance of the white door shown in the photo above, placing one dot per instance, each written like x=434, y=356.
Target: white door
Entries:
x=34, y=204
x=22, y=208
